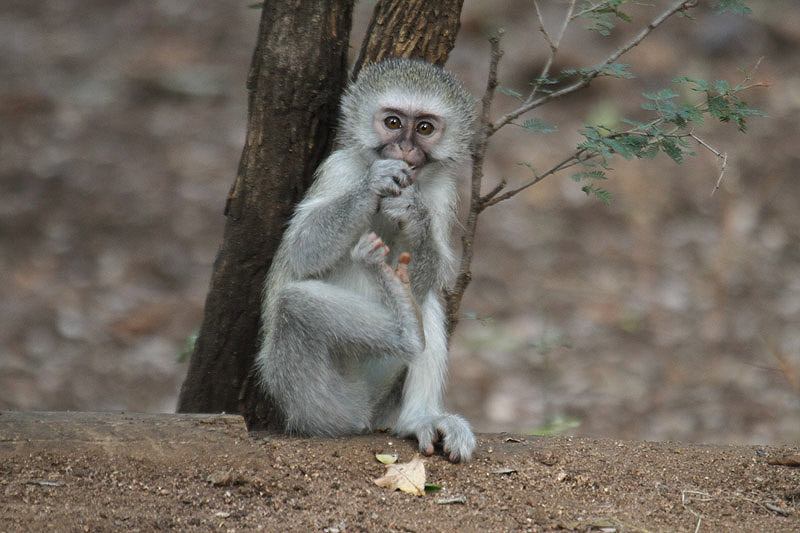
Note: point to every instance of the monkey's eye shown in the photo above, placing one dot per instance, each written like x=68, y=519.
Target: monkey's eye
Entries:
x=393, y=123
x=425, y=128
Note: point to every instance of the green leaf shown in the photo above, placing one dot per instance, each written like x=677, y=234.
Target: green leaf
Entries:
x=537, y=125
x=539, y=84
x=556, y=425
x=700, y=85
x=671, y=147
x=431, y=488
x=636, y=145
x=386, y=458
x=601, y=194
x=602, y=15
x=618, y=70
x=589, y=175
x=476, y=317
x=613, y=70
x=737, y=7
x=188, y=346
x=661, y=95
x=603, y=27
x=510, y=92
x=721, y=87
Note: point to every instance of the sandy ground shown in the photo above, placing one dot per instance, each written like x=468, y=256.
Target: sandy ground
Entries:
x=89, y=472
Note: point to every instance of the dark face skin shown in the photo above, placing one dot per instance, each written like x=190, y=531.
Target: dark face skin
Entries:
x=408, y=136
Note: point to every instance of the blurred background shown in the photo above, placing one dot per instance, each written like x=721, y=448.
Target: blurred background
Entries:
x=670, y=314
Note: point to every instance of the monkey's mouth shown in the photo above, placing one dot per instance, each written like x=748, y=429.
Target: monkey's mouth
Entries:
x=414, y=173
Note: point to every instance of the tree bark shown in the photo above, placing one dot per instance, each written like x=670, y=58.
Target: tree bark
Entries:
x=297, y=73
x=296, y=78
x=411, y=28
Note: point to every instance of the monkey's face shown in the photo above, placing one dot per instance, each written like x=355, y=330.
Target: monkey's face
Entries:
x=409, y=110
x=408, y=134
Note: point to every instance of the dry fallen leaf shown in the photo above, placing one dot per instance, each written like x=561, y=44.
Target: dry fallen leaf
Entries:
x=386, y=458
x=408, y=477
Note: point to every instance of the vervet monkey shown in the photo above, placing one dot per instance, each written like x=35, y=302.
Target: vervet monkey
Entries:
x=353, y=328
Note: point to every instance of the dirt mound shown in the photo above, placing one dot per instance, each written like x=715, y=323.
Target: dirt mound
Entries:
x=102, y=472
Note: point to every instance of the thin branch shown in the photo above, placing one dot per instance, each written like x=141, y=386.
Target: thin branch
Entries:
x=594, y=72
x=722, y=156
x=554, y=44
x=568, y=162
x=588, y=10
x=486, y=128
x=543, y=28
x=476, y=203
x=582, y=155
x=486, y=198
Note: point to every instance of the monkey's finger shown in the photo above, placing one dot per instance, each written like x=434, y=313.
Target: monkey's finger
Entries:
x=402, y=267
x=425, y=438
x=458, y=440
x=378, y=244
x=405, y=180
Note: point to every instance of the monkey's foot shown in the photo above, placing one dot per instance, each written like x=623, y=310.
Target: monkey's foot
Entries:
x=452, y=431
x=402, y=267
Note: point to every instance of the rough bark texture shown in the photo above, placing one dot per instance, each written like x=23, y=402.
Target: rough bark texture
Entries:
x=296, y=75
x=295, y=81
x=411, y=28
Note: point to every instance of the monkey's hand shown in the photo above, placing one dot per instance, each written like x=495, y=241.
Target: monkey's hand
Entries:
x=407, y=210
x=454, y=432
x=370, y=250
x=388, y=177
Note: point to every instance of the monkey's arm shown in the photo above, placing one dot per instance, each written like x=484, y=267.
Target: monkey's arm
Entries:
x=426, y=232
x=422, y=413
x=336, y=211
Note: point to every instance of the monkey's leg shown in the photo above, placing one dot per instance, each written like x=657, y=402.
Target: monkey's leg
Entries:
x=329, y=348
x=421, y=412
x=395, y=290
x=322, y=334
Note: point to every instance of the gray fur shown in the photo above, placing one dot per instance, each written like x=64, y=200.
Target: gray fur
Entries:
x=348, y=347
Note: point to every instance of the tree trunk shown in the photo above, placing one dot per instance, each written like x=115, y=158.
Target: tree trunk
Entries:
x=295, y=81
x=411, y=28
x=296, y=76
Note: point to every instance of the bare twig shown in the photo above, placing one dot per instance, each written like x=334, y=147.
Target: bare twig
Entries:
x=705, y=498
x=790, y=372
x=570, y=161
x=486, y=198
x=721, y=155
x=479, y=145
x=553, y=43
x=594, y=72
